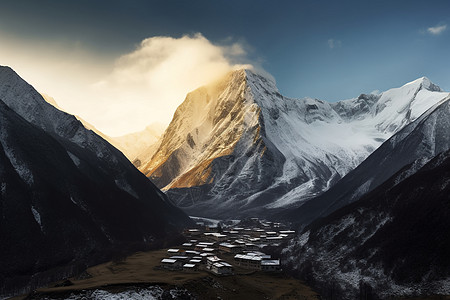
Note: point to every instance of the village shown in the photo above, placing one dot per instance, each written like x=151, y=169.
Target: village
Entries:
x=220, y=249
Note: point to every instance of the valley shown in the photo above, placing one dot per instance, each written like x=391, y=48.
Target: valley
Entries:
x=324, y=191
x=143, y=275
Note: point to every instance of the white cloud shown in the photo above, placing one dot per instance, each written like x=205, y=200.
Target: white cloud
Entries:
x=332, y=43
x=437, y=29
x=119, y=95
x=149, y=83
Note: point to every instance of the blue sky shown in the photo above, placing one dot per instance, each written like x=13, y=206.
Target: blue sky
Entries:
x=330, y=50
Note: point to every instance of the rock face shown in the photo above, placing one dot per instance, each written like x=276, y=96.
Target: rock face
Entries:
x=392, y=242
x=237, y=147
x=68, y=198
x=216, y=142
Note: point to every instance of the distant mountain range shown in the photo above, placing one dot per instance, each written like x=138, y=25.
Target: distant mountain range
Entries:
x=129, y=144
x=68, y=198
x=237, y=147
x=134, y=143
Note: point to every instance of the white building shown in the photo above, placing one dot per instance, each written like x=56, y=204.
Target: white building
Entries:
x=173, y=251
x=190, y=267
x=171, y=264
x=257, y=261
x=270, y=265
x=222, y=268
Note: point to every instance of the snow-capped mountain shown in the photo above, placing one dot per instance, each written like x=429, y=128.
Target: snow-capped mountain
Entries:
x=393, y=242
x=415, y=144
x=68, y=198
x=238, y=145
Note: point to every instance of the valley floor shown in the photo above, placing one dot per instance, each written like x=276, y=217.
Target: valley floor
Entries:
x=143, y=270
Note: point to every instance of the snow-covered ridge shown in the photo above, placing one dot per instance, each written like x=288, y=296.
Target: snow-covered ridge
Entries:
x=244, y=140
x=204, y=127
x=340, y=135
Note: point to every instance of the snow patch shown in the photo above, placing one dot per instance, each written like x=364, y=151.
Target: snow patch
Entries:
x=19, y=166
x=362, y=189
x=125, y=186
x=74, y=158
x=150, y=293
x=304, y=238
x=301, y=192
x=36, y=216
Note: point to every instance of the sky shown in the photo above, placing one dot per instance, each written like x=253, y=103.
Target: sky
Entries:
x=122, y=65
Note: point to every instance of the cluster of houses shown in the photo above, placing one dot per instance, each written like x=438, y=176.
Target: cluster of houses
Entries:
x=240, y=245
x=257, y=261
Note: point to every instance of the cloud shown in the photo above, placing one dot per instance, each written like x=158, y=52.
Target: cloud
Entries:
x=121, y=94
x=332, y=43
x=437, y=30
x=149, y=83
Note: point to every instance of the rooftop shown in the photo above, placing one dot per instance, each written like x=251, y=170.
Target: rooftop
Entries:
x=178, y=257
x=213, y=259
x=222, y=265
x=271, y=262
x=247, y=257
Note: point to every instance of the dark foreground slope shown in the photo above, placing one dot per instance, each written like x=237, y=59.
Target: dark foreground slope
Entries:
x=68, y=198
x=394, y=241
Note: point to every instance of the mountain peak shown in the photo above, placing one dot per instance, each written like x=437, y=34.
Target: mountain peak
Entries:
x=425, y=83
x=241, y=136
x=261, y=81
x=6, y=70
x=7, y=74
